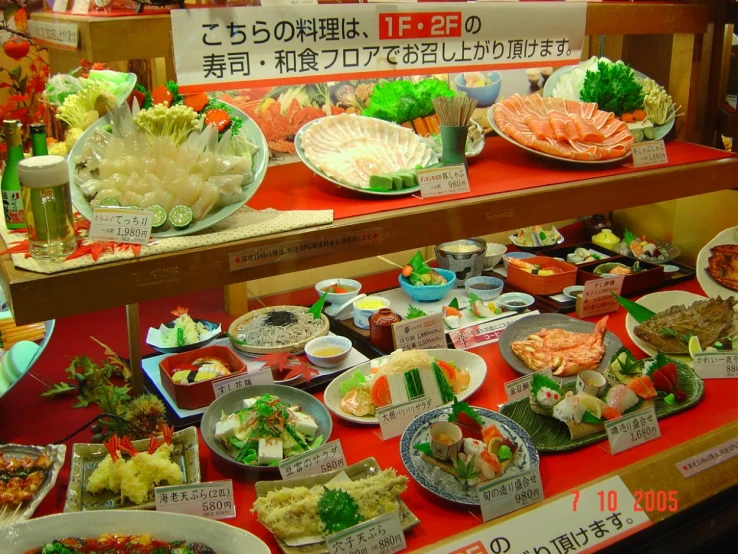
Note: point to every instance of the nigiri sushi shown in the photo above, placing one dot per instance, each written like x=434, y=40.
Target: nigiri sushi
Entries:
x=569, y=409
x=643, y=387
x=621, y=398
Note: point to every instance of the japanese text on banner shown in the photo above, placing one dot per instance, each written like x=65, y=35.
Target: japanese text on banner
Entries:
x=312, y=44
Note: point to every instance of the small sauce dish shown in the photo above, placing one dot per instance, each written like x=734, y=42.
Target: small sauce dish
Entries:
x=591, y=382
x=445, y=440
x=573, y=291
x=515, y=301
x=329, y=351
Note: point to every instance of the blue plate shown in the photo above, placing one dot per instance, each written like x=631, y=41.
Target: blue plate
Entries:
x=446, y=485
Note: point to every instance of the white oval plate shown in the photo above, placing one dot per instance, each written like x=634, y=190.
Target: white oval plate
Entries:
x=222, y=538
x=658, y=302
x=472, y=363
x=712, y=288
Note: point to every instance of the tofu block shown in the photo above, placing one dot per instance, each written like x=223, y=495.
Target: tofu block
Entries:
x=409, y=178
x=381, y=182
x=226, y=429
x=249, y=402
x=430, y=386
x=305, y=424
x=396, y=181
x=398, y=389
x=270, y=451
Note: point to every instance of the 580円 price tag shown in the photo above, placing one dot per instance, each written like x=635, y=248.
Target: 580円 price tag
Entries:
x=381, y=535
x=213, y=500
x=325, y=458
x=121, y=225
x=503, y=496
x=632, y=429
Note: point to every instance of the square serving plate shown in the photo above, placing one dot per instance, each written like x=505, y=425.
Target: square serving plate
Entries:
x=360, y=470
x=12, y=513
x=86, y=457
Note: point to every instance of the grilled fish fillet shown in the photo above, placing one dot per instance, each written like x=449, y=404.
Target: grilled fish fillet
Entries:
x=669, y=331
x=723, y=265
x=564, y=352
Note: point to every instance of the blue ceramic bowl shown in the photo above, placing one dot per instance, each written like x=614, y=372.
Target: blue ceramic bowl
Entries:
x=486, y=95
x=485, y=294
x=429, y=293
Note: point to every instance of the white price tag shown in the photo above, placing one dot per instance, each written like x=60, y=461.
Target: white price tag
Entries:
x=327, y=457
x=442, y=181
x=503, y=496
x=597, y=297
x=716, y=365
x=393, y=420
x=81, y=7
x=649, y=153
x=709, y=458
x=632, y=429
x=520, y=388
x=121, y=225
x=213, y=500
x=242, y=380
x=420, y=333
x=60, y=6
x=64, y=36
x=269, y=3
x=484, y=333
x=381, y=535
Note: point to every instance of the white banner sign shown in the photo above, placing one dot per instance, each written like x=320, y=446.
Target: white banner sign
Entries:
x=483, y=333
x=226, y=48
x=64, y=36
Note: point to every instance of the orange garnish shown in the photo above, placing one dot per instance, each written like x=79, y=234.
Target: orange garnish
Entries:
x=112, y=447
x=179, y=311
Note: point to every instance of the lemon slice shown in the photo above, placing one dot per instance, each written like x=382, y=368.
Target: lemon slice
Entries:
x=694, y=346
x=591, y=404
x=494, y=445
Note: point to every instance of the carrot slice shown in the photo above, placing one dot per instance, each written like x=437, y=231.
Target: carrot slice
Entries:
x=381, y=395
x=639, y=115
x=627, y=118
x=196, y=101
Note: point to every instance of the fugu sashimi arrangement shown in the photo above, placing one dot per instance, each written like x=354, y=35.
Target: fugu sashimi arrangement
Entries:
x=167, y=156
x=563, y=128
x=363, y=152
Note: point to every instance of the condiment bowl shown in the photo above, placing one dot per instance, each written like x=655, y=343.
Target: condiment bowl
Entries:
x=486, y=288
x=363, y=313
x=315, y=350
x=493, y=254
x=518, y=255
x=429, y=293
x=338, y=297
x=486, y=95
x=573, y=291
x=515, y=301
x=591, y=382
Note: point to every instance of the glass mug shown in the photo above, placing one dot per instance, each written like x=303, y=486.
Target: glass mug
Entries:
x=47, y=197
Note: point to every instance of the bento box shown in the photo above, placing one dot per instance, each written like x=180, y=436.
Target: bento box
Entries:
x=537, y=283
x=648, y=275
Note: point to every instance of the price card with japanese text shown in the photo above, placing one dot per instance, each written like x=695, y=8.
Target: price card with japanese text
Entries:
x=81, y=7
x=716, y=365
x=261, y=376
x=325, y=458
x=268, y=3
x=483, y=333
x=393, y=420
x=597, y=297
x=443, y=181
x=520, y=388
x=632, y=429
x=213, y=500
x=503, y=496
x=420, y=333
x=121, y=225
x=649, y=153
x=381, y=535
x=64, y=36
x=709, y=458
x=60, y=6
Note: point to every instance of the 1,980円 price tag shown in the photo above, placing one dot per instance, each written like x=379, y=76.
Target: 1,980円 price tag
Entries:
x=327, y=457
x=632, y=429
x=382, y=535
x=121, y=225
x=503, y=496
x=213, y=500
x=442, y=181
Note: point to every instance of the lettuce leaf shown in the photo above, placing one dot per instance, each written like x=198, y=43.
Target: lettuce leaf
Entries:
x=400, y=101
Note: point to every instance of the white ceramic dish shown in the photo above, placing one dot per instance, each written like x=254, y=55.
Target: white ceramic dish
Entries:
x=493, y=254
x=573, y=291
x=336, y=297
x=711, y=287
x=362, y=315
x=505, y=300
x=222, y=538
x=472, y=363
x=314, y=346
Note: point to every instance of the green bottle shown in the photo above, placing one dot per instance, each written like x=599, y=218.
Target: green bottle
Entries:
x=38, y=139
x=11, y=189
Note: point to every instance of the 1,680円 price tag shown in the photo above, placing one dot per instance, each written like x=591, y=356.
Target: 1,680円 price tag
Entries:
x=121, y=225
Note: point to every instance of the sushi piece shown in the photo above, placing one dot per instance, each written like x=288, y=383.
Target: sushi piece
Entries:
x=621, y=398
x=488, y=465
x=570, y=409
x=480, y=309
x=545, y=394
x=643, y=387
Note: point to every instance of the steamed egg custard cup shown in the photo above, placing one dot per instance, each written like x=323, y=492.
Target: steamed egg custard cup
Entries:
x=366, y=307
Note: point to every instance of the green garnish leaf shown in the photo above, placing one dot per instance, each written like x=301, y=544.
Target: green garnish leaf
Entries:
x=589, y=418
x=338, y=510
x=628, y=367
x=413, y=312
x=459, y=408
x=613, y=87
x=237, y=341
x=670, y=399
x=418, y=264
x=317, y=308
x=465, y=471
x=473, y=297
x=400, y=101
x=354, y=382
x=629, y=237
x=640, y=313
x=540, y=380
x=424, y=447
x=454, y=303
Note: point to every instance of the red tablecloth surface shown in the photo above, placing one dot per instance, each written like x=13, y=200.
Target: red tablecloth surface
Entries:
x=29, y=419
x=502, y=167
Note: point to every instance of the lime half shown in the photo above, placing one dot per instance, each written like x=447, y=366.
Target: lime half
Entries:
x=694, y=346
x=160, y=216
x=109, y=202
x=180, y=216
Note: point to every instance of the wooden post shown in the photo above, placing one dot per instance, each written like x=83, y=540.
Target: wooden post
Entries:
x=236, y=299
x=134, y=348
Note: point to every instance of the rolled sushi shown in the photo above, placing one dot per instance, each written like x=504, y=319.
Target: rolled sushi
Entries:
x=621, y=398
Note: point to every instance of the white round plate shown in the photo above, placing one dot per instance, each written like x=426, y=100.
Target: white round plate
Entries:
x=42, y=346
x=712, y=288
x=222, y=538
x=658, y=302
x=472, y=363
x=660, y=130
x=301, y=154
x=258, y=167
x=496, y=129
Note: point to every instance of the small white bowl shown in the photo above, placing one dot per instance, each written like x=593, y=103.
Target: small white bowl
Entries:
x=338, y=298
x=573, y=291
x=362, y=315
x=515, y=301
x=591, y=382
x=314, y=347
x=493, y=255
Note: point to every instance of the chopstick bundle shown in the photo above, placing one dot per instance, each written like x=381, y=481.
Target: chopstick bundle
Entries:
x=455, y=111
x=10, y=333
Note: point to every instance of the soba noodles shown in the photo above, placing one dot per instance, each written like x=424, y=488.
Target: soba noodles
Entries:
x=279, y=328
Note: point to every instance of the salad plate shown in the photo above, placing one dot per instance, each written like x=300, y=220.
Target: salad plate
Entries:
x=521, y=329
x=444, y=484
x=473, y=364
x=258, y=167
x=712, y=288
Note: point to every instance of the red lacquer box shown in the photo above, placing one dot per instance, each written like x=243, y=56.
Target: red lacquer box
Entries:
x=542, y=284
